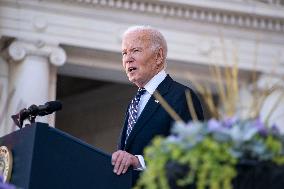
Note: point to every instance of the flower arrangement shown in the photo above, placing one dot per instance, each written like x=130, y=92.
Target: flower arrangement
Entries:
x=205, y=154
x=211, y=151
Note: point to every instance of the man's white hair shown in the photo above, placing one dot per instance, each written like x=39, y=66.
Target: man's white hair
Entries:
x=157, y=38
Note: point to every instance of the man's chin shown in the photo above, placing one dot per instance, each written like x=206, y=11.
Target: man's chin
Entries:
x=134, y=81
x=131, y=79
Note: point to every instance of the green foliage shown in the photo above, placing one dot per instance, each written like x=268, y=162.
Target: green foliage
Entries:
x=210, y=164
x=210, y=151
x=275, y=146
x=157, y=156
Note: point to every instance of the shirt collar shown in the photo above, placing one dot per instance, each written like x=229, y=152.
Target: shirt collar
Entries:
x=152, y=85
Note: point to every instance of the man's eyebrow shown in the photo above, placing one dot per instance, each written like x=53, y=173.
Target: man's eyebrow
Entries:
x=124, y=50
x=136, y=48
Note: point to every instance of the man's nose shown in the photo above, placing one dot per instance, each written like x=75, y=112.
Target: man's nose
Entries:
x=128, y=59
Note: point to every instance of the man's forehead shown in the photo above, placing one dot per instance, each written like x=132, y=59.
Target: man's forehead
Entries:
x=138, y=34
x=136, y=38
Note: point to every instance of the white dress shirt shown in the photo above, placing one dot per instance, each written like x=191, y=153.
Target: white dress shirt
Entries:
x=150, y=87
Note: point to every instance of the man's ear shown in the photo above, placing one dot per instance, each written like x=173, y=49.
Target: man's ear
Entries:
x=160, y=56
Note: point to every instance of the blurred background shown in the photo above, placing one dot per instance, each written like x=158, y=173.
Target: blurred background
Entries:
x=70, y=50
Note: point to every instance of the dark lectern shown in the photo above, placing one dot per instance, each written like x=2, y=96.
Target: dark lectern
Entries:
x=46, y=158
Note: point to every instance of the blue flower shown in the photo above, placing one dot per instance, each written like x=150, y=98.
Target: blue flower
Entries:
x=229, y=122
x=214, y=125
x=262, y=129
x=5, y=185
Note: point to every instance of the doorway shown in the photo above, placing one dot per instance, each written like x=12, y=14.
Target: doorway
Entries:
x=93, y=110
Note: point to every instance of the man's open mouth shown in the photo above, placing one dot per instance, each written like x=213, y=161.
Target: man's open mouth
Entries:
x=130, y=69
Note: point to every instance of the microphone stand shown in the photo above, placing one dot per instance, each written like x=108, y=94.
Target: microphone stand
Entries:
x=32, y=118
x=19, y=119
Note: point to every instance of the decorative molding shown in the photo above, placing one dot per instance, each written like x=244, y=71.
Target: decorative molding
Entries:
x=223, y=16
x=268, y=2
x=271, y=2
x=40, y=23
x=18, y=50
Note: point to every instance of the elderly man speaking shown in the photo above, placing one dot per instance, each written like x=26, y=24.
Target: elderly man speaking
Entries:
x=144, y=52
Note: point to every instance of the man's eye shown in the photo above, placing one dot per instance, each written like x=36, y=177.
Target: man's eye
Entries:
x=135, y=50
x=123, y=53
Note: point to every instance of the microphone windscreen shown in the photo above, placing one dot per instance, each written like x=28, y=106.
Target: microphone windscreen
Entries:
x=33, y=110
x=53, y=106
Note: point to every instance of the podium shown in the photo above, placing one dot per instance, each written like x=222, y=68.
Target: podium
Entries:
x=47, y=158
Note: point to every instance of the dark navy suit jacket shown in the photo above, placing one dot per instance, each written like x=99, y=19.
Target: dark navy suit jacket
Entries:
x=154, y=120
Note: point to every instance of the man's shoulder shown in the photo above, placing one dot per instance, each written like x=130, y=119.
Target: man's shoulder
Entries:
x=180, y=86
x=172, y=86
x=177, y=86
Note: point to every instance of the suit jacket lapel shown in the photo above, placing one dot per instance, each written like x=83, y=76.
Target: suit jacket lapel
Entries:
x=121, y=144
x=149, y=110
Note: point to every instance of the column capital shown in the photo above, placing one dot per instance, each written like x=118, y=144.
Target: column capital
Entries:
x=268, y=81
x=19, y=49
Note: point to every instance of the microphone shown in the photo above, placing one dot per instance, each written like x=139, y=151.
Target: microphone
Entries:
x=41, y=110
x=49, y=108
x=34, y=110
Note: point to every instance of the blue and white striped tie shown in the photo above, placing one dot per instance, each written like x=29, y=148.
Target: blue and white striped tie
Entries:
x=133, y=111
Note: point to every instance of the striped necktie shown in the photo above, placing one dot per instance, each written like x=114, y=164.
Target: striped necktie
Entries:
x=133, y=111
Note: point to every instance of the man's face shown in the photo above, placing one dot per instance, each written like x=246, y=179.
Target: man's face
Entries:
x=138, y=58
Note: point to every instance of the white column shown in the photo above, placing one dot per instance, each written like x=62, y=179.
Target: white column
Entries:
x=30, y=76
x=52, y=91
x=4, y=97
